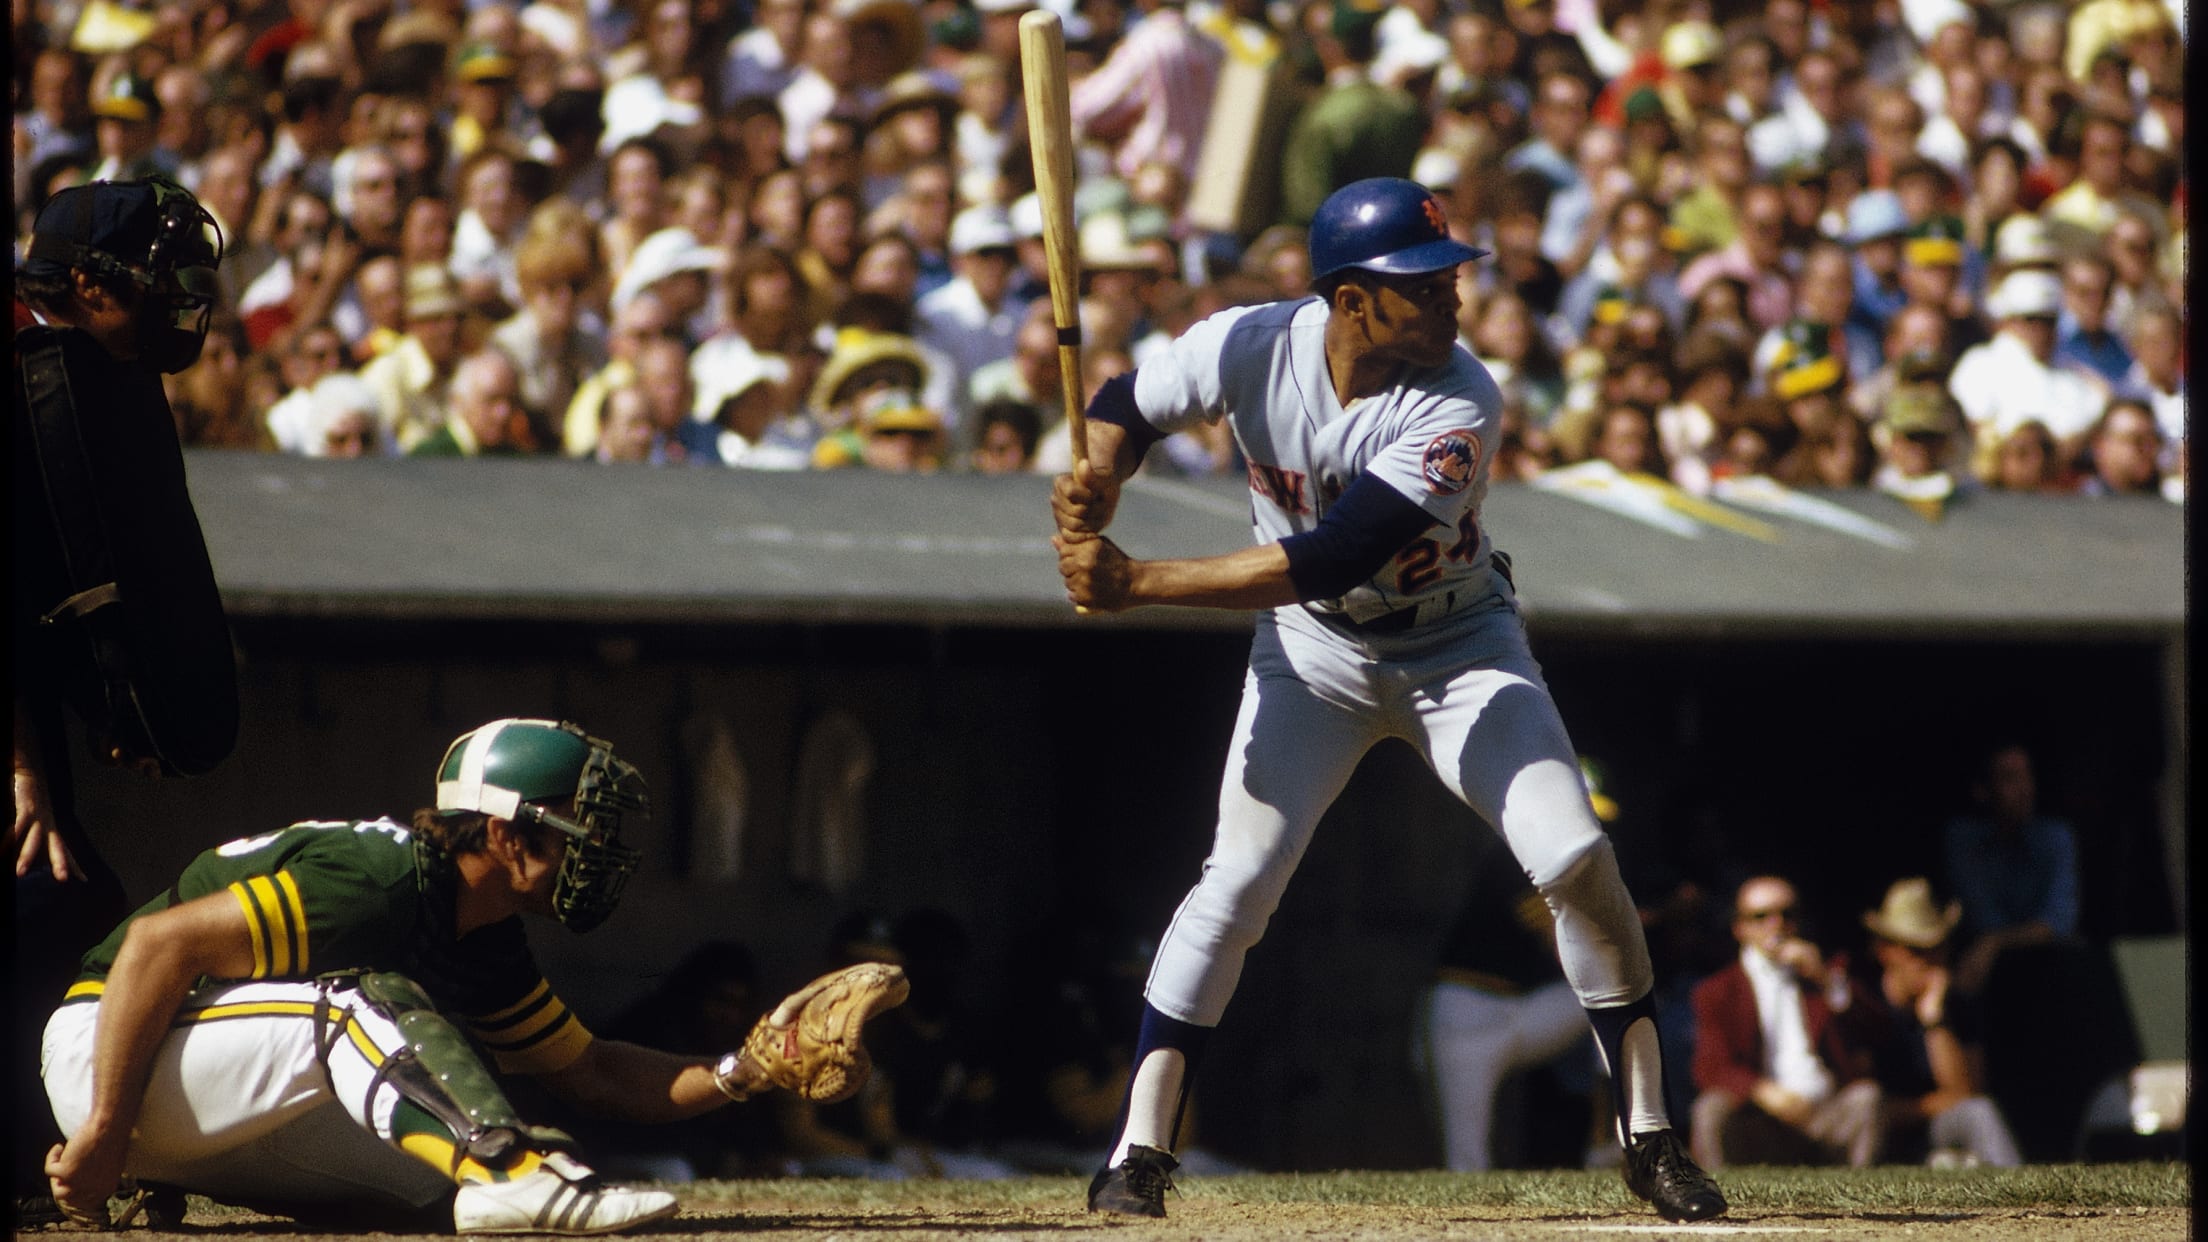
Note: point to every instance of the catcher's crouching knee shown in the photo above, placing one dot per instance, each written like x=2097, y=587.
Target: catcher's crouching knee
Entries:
x=811, y=1044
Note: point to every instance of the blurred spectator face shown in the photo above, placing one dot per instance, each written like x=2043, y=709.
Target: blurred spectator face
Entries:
x=1720, y=303
x=663, y=376
x=1505, y=329
x=759, y=138
x=316, y=352
x=2045, y=95
x=768, y=308
x=1966, y=97
x=1894, y=123
x=1001, y=450
x=828, y=50
x=304, y=228
x=629, y=433
x=2101, y=156
x=887, y=266
x=1827, y=286
x=1952, y=44
x=643, y=319
x=1930, y=284
x=2085, y=288
x=440, y=338
x=552, y=304
x=2037, y=332
x=56, y=89
x=426, y=235
x=2025, y=462
x=405, y=131
x=1560, y=112
x=785, y=19
x=668, y=35
x=183, y=125
x=902, y=451
x=1627, y=440
x=118, y=139
x=2126, y=448
x=375, y=194
x=1787, y=23
x=635, y=188
x=2131, y=250
x=1035, y=350
x=1748, y=75
x=381, y=286
x=928, y=206
x=832, y=230
x=1817, y=415
x=1763, y=225
x=490, y=193
x=1840, y=457
x=1917, y=454
x=990, y=272
x=352, y=434
x=1817, y=77
x=1724, y=153
x=1995, y=182
x=1916, y=329
x=698, y=206
x=778, y=209
x=2157, y=341
x=226, y=187
x=831, y=158
x=486, y=396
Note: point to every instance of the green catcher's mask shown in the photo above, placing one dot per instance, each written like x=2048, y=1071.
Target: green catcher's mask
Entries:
x=510, y=768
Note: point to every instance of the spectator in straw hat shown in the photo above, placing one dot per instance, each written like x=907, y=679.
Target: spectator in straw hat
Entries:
x=411, y=379
x=1929, y=1056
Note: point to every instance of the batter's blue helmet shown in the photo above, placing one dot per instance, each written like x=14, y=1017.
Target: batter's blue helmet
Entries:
x=1384, y=224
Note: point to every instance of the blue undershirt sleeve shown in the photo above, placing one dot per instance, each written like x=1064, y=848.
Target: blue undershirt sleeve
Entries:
x=1115, y=404
x=1361, y=532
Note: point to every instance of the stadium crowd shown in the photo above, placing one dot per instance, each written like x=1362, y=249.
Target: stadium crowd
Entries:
x=1923, y=245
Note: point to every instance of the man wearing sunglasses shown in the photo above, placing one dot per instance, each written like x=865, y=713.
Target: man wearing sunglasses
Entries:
x=1782, y=1061
x=116, y=610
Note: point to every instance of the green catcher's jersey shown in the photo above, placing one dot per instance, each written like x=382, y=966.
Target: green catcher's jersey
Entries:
x=366, y=895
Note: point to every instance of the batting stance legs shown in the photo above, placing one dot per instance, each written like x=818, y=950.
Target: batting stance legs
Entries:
x=337, y=1091
x=1493, y=735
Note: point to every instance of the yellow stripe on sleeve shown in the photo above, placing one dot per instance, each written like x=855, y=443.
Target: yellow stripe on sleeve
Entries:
x=256, y=929
x=298, y=909
x=272, y=914
x=559, y=1049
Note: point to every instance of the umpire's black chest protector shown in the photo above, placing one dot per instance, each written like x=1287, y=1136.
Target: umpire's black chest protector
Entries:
x=115, y=599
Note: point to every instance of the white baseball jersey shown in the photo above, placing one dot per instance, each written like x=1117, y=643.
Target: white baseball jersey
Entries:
x=1264, y=368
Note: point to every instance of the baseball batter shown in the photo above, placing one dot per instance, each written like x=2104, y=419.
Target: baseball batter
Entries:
x=1388, y=614
x=289, y=1025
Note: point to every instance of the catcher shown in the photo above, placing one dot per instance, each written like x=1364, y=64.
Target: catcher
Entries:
x=294, y=1025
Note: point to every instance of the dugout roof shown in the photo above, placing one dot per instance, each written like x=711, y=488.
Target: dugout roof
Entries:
x=553, y=540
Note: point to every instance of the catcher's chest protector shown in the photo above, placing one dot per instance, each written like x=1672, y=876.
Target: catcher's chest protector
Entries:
x=134, y=621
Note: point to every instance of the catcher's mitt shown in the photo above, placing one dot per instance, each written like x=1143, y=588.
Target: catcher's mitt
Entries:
x=810, y=1043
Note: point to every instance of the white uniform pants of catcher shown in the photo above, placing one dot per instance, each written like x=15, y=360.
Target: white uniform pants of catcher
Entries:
x=1469, y=697
x=240, y=1106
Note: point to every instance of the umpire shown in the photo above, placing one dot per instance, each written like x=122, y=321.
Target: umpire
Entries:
x=116, y=613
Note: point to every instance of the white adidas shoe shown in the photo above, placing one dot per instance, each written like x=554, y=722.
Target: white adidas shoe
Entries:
x=563, y=1197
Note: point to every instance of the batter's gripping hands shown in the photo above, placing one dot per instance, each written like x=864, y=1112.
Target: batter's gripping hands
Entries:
x=810, y=1043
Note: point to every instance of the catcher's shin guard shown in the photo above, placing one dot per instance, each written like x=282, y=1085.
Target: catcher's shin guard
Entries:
x=438, y=1073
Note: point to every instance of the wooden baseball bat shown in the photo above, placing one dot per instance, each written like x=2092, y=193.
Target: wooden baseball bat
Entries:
x=1050, y=138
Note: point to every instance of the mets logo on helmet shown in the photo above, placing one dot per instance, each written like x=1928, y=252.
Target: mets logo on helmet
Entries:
x=1435, y=217
x=1450, y=462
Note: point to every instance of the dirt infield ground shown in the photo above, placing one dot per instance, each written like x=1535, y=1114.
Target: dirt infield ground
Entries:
x=1267, y=1209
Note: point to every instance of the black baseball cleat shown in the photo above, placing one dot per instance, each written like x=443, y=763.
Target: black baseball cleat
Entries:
x=1135, y=1186
x=1658, y=1169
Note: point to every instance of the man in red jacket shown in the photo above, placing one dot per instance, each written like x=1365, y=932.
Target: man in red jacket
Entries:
x=1782, y=1059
